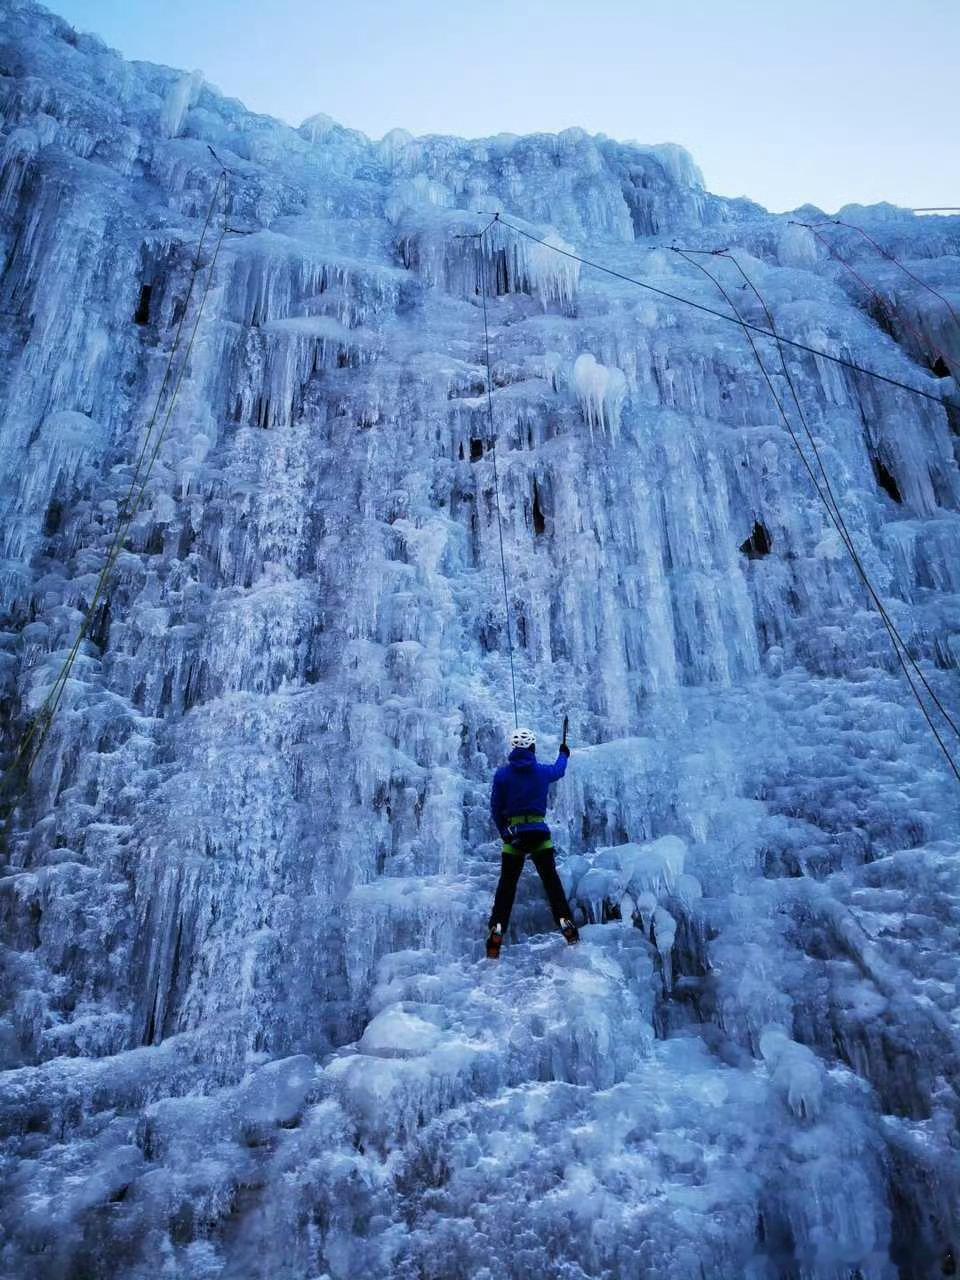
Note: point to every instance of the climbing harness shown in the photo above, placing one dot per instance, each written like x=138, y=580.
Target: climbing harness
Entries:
x=18, y=773
x=830, y=503
x=522, y=841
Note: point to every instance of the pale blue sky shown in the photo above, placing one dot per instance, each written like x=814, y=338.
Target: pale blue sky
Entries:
x=828, y=101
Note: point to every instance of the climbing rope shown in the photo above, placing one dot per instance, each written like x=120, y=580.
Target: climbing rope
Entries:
x=481, y=273
x=720, y=315
x=832, y=507
x=848, y=537
x=31, y=744
x=878, y=297
x=825, y=493
x=852, y=226
x=903, y=655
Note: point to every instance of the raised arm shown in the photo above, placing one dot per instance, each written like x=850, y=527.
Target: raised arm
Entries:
x=553, y=772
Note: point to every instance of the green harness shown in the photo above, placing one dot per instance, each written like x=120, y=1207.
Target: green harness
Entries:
x=522, y=819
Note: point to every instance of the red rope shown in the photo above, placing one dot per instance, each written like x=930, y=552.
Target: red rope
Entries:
x=896, y=261
x=879, y=298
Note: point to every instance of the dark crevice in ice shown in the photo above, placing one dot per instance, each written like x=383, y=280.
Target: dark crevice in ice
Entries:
x=142, y=313
x=539, y=520
x=758, y=544
x=886, y=480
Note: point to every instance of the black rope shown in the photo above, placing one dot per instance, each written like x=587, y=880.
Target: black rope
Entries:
x=832, y=510
x=493, y=450
x=836, y=505
x=720, y=315
x=852, y=226
x=883, y=306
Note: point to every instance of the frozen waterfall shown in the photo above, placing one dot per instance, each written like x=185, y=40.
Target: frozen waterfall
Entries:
x=246, y=1029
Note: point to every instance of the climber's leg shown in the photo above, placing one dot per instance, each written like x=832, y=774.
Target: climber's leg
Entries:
x=547, y=869
x=511, y=864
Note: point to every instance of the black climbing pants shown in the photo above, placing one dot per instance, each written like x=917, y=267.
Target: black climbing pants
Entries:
x=511, y=864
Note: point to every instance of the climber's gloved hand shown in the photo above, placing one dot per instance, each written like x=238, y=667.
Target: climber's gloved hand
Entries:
x=564, y=749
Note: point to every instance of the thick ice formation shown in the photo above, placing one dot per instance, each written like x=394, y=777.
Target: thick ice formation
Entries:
x=601, y=392
x=247, y=1028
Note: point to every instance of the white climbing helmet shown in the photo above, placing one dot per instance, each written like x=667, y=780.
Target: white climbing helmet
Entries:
x=523, y=738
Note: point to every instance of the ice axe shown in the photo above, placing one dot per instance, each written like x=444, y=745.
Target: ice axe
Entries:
x=566, y=726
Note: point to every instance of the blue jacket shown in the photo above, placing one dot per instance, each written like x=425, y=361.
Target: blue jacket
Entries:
x=521, y=786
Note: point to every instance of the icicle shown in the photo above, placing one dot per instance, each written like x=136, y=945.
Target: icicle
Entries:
x=180, y=97
x=601, y=392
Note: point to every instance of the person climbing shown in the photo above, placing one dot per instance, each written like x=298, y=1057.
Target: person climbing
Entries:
x=518, y=804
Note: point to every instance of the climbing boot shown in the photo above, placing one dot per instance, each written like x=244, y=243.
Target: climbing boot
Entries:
x=569, y=931
x=494, y=942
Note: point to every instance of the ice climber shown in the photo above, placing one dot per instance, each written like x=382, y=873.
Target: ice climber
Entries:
x=518, y=803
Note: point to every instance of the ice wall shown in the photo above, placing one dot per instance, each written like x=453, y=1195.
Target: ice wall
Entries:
x=246, y=1028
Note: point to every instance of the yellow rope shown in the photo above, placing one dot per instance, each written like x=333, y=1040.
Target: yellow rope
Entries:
x=34, y=738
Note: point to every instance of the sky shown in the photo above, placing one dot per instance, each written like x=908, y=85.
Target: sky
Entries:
x=828, y=102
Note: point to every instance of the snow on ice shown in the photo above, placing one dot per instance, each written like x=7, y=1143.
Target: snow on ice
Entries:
x=247, y=1029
